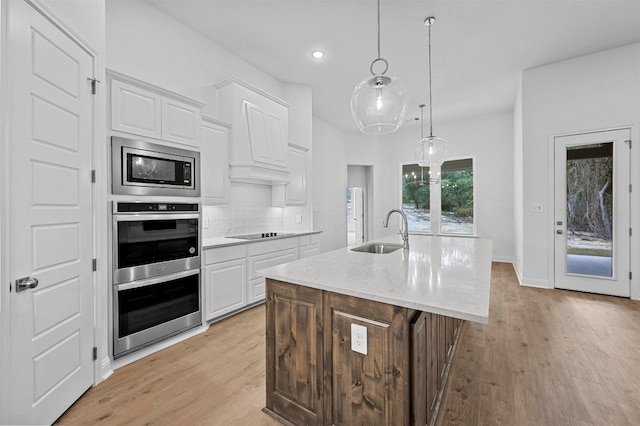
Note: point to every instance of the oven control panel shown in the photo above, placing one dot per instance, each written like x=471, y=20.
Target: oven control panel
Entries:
x=138, y=207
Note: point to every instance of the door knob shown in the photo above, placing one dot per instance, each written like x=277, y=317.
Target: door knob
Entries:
x=25, y=283
x=559, y=231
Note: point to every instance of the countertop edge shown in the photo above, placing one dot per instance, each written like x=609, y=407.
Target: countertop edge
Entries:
x=463, y=315
x=226, y=242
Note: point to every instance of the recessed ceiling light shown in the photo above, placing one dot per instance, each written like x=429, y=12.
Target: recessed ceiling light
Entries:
x=317, y=54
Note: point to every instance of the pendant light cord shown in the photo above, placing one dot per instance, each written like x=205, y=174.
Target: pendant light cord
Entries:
x=430, y=101
x=378, y=29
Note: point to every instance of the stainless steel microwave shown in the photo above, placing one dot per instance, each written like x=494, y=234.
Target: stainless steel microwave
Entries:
x=144, y=168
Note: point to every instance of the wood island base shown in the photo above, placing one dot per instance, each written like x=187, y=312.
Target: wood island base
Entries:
x=315, y=377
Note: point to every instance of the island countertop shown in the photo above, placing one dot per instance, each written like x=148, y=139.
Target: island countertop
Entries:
x=448, y=276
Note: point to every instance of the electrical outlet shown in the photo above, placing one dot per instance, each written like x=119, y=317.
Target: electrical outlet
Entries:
x=359, y=338
x=298, y=218
x=538, y=208
x=205, y=222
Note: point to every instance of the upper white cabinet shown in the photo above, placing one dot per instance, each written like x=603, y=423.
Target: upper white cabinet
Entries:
x=180, y=122
x=297, y=186
x=135, y=110
x=214, y=160
x=146, y=110
x=260, y=122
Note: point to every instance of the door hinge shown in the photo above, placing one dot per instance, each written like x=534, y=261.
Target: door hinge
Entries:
x=93, y=176
x=95, y=353
x=630, y=232
x=94, y=264
x=630, y=187
x=94, y=85
x=629, y=275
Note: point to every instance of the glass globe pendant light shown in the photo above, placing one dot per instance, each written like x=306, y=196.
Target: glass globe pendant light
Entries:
x=430, y=151
x=379, y=103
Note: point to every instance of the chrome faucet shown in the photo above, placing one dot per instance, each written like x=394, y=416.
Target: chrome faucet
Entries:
x=404, y=231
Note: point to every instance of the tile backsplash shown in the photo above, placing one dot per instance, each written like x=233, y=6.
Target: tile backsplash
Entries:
x=249, y=210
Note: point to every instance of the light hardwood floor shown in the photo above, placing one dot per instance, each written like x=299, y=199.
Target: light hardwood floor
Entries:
x=547, y=357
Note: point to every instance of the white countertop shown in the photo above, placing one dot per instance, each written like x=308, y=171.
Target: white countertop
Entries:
x=443, y=275
x=214, y=242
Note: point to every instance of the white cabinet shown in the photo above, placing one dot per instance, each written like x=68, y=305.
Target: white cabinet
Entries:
x=231, y=279
x=214, y=161
x=297, y=186
x=180, y=122
x=146, y=110
x=260, y=122
x=309, y=245
x=256, y=282
x=294, y=192
x=225, y=280
x=265, y=254
x=135, y=110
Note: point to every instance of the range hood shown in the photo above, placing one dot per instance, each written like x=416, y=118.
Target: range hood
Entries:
x=259, y=133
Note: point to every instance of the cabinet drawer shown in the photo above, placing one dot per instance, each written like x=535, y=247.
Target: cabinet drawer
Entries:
x=270, y=259
x=310, y=250
x=224, y=254
x=304, y=240
x=272, y=246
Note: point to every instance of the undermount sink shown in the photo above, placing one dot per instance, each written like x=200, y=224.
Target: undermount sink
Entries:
x=378, y=248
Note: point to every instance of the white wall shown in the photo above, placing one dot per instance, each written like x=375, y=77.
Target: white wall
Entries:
x=592, y=92
x=147, y=44
x=329, y=190
x=489, y=140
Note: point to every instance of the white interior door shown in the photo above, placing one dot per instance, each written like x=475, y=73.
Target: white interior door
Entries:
x=50, y=146
x=358, y=212
x=592, y=218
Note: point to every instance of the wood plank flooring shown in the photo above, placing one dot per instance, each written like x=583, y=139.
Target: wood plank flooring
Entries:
x=547, y=357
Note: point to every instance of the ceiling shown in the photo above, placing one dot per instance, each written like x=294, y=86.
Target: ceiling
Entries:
x=479, y=47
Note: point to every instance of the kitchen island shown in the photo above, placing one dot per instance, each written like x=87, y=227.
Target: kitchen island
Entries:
x=364, y=338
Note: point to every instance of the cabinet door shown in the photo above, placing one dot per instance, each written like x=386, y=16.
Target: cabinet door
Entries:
x=296, y=188
x=180, y=122
x=225, y=287
x=135, y=110
x=369, y=381
x=214, y=160
x=295, y=362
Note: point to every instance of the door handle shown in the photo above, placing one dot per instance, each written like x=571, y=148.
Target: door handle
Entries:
x=559, y=231
x=25, y=283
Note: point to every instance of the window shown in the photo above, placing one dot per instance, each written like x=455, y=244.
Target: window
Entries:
x=416, y=197
x=456, y=197
x=446, y=205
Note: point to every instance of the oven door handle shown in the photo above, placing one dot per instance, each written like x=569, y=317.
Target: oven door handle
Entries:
x=126, y=217
x=156, y=280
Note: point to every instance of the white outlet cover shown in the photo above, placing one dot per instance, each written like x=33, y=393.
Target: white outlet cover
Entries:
x=359, y=338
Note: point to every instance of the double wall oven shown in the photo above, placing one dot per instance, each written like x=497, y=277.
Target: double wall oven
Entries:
x=156, y=273
x=156, y=244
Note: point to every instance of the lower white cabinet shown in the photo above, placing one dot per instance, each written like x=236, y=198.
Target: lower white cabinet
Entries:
x=309, y=245
x=231, y=279
x=256, y=282
x=225, y=277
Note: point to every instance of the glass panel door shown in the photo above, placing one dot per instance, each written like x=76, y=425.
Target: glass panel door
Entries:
x=592, y=212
